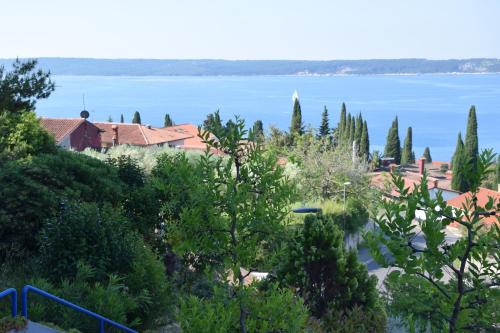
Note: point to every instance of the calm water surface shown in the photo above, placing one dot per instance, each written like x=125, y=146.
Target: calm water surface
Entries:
x=436, y=106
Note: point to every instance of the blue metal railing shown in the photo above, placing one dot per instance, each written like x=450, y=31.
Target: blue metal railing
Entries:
x=102, y=320
x=13, y=299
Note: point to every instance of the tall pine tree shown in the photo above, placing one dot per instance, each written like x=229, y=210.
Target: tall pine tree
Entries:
x=168, y=121
x=258, y=131
x=406, y=157
x=427, y=155
x=296, y=127
x=458, y=182
x=324, y=128
x=352, y=131
x=137, y=118
x=364, y=147
x=393, y=145
x=121, y=119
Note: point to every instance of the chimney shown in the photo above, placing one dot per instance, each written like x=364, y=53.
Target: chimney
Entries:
x=421, y=165
x=115, y=135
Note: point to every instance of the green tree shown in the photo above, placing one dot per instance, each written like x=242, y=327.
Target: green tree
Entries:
x=121, y=119
x=352, y=131
x=258, y=131
x=359, y=130
x=393, y=145
x=297, y=126
x=469, y=294
x=324, y=128
x=21, y=87
x=341, y=127
x=110, y=119
x=471, y=147
x=327, y=276
x=213, y=123
x=137, y=118
x=168, y=121
x=364, y=147
x=242, y=201
x=427, y=155
x=458, y=180
x=21, y=136
x=406, y=157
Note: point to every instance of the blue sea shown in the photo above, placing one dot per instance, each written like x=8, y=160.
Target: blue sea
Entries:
x=436, y=106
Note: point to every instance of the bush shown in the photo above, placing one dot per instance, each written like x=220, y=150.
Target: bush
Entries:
x=32, y=189
x=103, y=239
x=328, y=277
x=273, y=310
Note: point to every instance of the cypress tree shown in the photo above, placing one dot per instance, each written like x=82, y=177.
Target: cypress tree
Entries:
x=324, y=129
x=168, y=121
x=427, y=155
x=393, y=145
x=412, y=157
x=406, y=157
x=121, y=119
x=110, y=119
x=359, y=129
x=297, y=127
x=458, y=180
x=341, y=128
x=364, y=149
x=471, y=149
x=258, y=130
x=137, y=118
x=213, y=123
x=352, y=131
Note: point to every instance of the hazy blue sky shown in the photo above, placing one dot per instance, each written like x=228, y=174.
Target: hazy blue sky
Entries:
x=251, y=29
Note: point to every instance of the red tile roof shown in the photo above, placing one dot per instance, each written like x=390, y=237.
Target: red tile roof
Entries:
x=60, y=127
x=483, y=196
x=138, y=135
x=193, y=141
x=384, y=179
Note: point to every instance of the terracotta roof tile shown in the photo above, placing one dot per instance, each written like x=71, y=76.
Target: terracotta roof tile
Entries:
x=138, y=135
x=60, y=127
x=482, y=198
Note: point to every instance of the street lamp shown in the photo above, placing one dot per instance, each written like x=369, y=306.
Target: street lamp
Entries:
x=345, y=185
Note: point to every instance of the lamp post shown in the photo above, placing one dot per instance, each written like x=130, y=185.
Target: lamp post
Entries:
x=345, y=185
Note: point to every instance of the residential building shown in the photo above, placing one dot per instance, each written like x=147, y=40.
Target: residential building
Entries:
x=73, y=133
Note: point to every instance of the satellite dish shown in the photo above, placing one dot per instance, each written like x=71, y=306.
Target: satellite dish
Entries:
x=84, y=114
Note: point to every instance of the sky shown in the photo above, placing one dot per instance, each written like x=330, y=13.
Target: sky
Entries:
x=250, y=29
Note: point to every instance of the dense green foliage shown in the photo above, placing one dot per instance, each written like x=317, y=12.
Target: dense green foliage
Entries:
x=327, y=276
x=22, y=136
x=137, y=118
x=22, y=86
x=469, y=296
x=471, y=145
x=407, y=152
x=364, y=146
x=121, y=119
x=393, y=145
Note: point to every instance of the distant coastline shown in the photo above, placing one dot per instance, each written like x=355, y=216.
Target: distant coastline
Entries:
x=208, y=67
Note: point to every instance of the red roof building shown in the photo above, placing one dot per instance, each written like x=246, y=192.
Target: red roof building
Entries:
x=193, y=141
x=73, y=133
x=483, y=196
x=113, y=134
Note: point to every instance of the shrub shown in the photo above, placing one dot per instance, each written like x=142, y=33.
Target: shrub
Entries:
x=104, y=240
x=329, y=278
x=32, y=189
x=273, y=310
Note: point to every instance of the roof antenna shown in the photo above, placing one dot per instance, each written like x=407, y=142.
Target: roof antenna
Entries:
x=84, y=114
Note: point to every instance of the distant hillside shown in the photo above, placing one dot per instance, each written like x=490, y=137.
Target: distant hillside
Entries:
x=149, y=67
